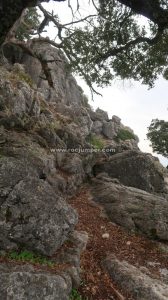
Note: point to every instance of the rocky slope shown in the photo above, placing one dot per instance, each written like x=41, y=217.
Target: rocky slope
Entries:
x=51, y=143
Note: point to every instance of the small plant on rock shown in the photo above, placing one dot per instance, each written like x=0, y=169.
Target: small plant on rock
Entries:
x=75, y=295
x=95, y=141
x=27, y=256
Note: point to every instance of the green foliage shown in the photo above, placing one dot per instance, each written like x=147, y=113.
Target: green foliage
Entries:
x=27, y=256
x=95, y=141
x=158, y=136
x=75, y=295
x=114, y=43
x=103, y=49
x=124, y=134
x=30, y=25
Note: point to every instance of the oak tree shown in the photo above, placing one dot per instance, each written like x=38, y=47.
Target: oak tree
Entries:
x=112, y=42
x=158, y=136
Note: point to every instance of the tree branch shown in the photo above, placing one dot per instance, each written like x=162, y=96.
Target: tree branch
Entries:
x=150, y=9
x=139, y=40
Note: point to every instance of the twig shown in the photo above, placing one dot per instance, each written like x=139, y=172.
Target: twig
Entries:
x=118, y=294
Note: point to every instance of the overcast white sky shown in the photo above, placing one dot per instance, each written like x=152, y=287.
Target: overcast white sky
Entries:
x=132, y=102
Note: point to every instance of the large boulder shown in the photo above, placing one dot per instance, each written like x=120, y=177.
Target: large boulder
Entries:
x=134, y=281
x=97, y=127
x=99, y=115
x=134, y=209
x=109, y=130
x=33, y=213
x=116, y=119
x=34, y=217
x=136, y=169
x=26, y=283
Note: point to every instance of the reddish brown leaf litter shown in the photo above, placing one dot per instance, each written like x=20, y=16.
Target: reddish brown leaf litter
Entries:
x=135, y=249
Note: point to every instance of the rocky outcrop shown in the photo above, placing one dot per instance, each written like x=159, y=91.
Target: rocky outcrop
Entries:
x=136, y=169
x=140, y=285
x=99, y=115
x=67, y=97
x=45, y=128
x=134, y=209
x=110, y=129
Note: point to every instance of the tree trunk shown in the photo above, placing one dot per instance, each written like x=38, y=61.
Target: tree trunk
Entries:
x=150, y=9
x=10, y=11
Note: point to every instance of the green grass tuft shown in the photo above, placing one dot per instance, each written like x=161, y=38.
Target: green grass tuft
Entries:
x=96, y=142
x=75, y=295
x=124, y=134
x=27, y=256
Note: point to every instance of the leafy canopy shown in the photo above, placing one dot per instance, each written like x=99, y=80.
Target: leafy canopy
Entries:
x=116, y=43
x=158, y=136
x=111, y=43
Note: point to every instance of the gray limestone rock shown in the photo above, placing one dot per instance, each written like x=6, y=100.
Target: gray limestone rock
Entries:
x=99, y=115
x=97, y=127
x=16, y=95
x=138, y=284
x=109, y=130
x=25, y=283
x=35, y=217
x=136, y=169
x=116, y=120
x=134, y=209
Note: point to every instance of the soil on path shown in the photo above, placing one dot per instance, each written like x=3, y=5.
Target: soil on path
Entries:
x=135, y=249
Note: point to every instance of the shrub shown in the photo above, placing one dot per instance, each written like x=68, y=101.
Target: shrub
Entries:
x=20, y=75
x=95, y=141
x=125, y=134
x=25, y=77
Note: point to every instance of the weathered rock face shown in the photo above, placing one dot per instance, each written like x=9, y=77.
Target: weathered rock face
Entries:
x=136, y=169
x=32, y=215
x=16, y=93
x=109, y=130
x=133, y=209
x=24, y=283
x=97, y=127
x=65, y=92
x=140, y=285
x=65, y=86
x=122, y=146
x=99, y=115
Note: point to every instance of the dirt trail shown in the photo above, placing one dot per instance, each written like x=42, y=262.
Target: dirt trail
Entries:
x=135, y=249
